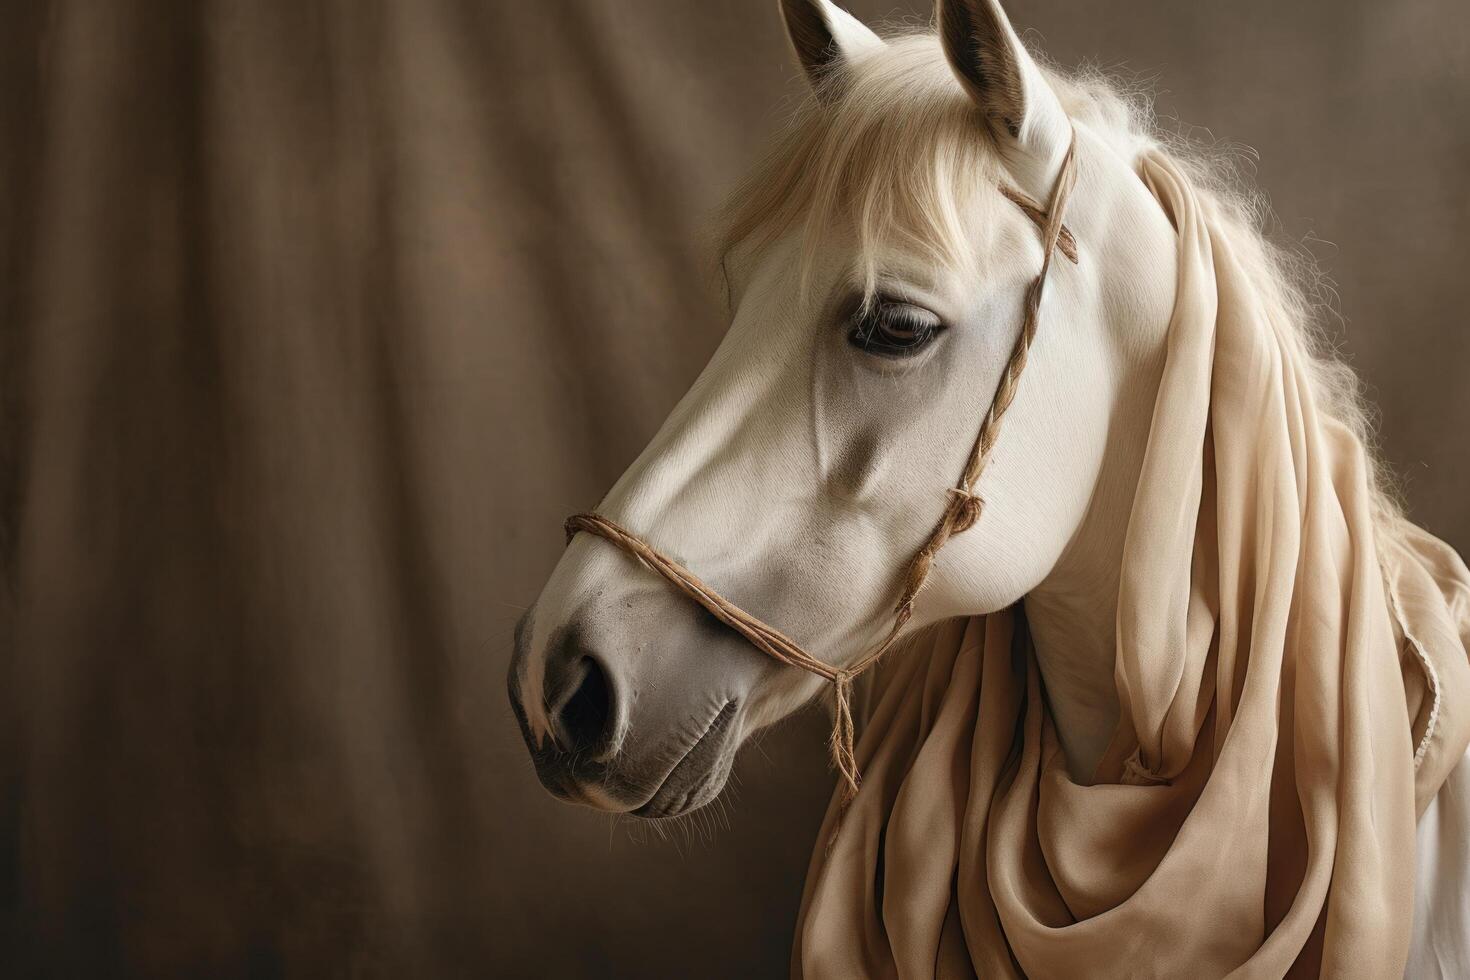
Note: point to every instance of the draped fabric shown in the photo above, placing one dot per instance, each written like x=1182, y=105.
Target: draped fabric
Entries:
x=1293, y=680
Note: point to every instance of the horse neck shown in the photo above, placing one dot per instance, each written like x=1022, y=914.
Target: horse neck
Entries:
x=1072, y=614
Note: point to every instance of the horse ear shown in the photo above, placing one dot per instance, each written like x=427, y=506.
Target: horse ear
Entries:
x=1006, y=83
x=825, y=38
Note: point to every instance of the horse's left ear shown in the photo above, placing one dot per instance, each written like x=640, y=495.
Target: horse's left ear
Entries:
x=995, y=68
x=825, y=38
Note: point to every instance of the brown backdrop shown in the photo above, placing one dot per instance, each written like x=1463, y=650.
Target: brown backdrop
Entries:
x=317, y=317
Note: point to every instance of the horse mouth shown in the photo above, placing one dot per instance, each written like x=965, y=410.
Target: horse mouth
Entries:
x=699, y=775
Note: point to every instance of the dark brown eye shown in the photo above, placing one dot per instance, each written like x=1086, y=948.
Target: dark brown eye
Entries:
x=891, y=329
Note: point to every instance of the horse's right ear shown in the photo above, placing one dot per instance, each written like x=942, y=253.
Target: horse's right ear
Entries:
x=825, y=37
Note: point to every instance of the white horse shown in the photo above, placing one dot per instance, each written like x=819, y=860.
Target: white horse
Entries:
x=877, y=273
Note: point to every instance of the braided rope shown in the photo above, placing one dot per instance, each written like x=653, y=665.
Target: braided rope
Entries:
x=960, y=514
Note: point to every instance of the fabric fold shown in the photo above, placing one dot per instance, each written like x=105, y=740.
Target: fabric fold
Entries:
x=1291, y=667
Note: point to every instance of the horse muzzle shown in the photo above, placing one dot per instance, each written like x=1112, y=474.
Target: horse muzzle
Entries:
x=628, y=724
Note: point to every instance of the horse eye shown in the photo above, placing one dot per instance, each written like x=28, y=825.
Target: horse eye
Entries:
x=891, y=329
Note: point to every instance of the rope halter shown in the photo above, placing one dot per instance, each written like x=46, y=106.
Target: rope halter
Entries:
x=960, y=514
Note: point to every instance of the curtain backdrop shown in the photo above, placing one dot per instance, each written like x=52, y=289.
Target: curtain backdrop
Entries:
x=316, y=318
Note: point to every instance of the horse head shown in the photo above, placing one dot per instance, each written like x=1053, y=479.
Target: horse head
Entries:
x=878, y=263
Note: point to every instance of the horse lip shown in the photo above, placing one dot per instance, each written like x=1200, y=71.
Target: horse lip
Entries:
x=657, y=805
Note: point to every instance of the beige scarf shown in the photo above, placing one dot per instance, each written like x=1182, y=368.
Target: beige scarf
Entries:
x=1293, y=694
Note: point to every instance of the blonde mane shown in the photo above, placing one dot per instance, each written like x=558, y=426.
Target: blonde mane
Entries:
x=897, y=151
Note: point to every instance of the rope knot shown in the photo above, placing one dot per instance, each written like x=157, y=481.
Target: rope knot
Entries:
x=964, y=509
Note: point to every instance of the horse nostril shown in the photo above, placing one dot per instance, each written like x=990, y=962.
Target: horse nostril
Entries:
x=586, y=717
